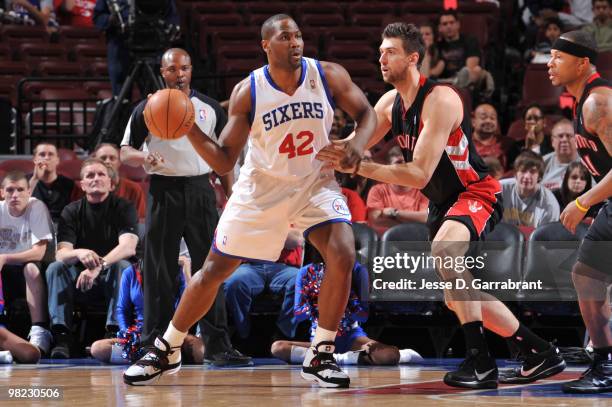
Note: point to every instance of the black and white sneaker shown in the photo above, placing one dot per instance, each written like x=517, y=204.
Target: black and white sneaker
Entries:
x=160, y=358
x=596, y=379
x=536, y=366
x=320, y=366
x=475, y=372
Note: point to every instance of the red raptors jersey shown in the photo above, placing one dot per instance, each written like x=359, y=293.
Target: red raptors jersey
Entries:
x=592, y=151
x=459, y=165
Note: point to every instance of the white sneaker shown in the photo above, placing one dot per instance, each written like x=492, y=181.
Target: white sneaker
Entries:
x=320, y=366
x=410, y=356
x=6, y=357
x=161, y=358
x=40, y=337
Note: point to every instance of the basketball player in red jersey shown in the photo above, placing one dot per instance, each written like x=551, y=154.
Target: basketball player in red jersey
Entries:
x=572, y=64
x=430, y=124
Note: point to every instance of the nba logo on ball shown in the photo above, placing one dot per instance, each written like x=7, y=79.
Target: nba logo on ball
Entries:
x=340, y=206
x=224, y=240
x=202, y=114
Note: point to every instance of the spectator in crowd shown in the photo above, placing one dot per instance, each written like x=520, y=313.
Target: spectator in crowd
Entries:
x=601, y=27
x=389, y=205
x=353, y=346
x=42, y=12
x=125, y=348
x=580, y=13
x=96, y=238
x=526, y=201
x=576, y=181
x=18, y=349
x=495, y=168
x=487, y=135
x=564, y=146
x=122, y=187
x=25, y=227
x=462, y=57
x=540, y=54
x=432, y=64
x=535, y=135
x=337, y=131
x=252, y=278
x=53, y=189
x=356, y=205
x=77, y=13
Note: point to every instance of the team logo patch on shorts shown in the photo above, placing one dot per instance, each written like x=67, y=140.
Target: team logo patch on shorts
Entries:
x=474, y=206
x=340, y=206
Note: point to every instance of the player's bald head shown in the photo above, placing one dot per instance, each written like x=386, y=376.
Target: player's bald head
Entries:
x=172, y=54
x=270, y=26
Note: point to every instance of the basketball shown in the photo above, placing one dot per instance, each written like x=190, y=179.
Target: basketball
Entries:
x=169, y=114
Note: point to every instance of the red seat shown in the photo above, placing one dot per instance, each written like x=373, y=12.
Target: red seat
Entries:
x=137, y=174
x=17, y=164
x=373, y=22
x=69, y=34
x=34, y=52
x=70, y=168
x=318, y=8
x=359, y=68
x=85, y=52
x=220, y=36
x=214, y=7
x=16, y=68
x=421, y=7
x=98, y=68
x=220, y=20
x=265, y=8
x=240, y=51
x=65, y=94
x=6, y=53
x=419, y=19
x=337, y=35
x=537, y=87
x=476, y=25
x=604, y=62
x=94, y=87
x=339, y=52
x=17, y=33
x=371, y=8
x=60, y=68
x=66, y=154
x=321, y=21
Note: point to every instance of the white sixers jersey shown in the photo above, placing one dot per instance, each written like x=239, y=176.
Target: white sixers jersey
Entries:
x=287, y=131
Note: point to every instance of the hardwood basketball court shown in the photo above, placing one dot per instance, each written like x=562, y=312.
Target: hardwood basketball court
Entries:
x=85, y=382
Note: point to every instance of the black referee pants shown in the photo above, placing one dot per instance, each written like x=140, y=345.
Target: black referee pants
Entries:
x=179, y=207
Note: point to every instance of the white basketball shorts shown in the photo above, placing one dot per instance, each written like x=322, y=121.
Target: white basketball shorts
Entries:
x=258, y=215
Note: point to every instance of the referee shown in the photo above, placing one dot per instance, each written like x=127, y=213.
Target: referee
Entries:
x=181, y=203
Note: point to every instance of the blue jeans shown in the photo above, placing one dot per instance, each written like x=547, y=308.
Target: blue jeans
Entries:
x=61, y=283
x=250, y=280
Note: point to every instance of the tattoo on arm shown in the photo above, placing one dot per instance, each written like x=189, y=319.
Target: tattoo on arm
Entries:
x=598, y=117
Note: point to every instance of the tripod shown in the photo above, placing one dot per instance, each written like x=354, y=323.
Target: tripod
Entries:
x=141, y=73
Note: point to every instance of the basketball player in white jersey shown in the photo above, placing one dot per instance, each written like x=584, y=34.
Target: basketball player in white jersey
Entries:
x=285, y=111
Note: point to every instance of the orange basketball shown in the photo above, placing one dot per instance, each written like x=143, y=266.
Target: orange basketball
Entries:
x=169, y=114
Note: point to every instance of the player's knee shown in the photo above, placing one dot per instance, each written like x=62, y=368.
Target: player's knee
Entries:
x=98, y=351
x=28, y=354
x=31, y=271
x=280, y=349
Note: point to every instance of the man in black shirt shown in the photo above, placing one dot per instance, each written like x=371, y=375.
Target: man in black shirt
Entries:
x=461, y=55
x=96, y=235
x=53, y=189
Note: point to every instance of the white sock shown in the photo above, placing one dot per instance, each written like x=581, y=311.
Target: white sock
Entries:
x=6, y=357
x=348, y=358
x=174, y=337
x=297, y=354
x=409, y=356
x=323, y=335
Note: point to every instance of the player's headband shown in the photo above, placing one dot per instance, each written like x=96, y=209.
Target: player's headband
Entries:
x=576, y=50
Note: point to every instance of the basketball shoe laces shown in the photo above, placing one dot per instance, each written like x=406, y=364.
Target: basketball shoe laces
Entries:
x=156, y=357
x=325, y=358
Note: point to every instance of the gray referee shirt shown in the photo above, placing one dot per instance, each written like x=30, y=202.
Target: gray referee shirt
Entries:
x=180, y=156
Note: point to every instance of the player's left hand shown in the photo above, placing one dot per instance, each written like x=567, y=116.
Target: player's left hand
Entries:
x=571, y=216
